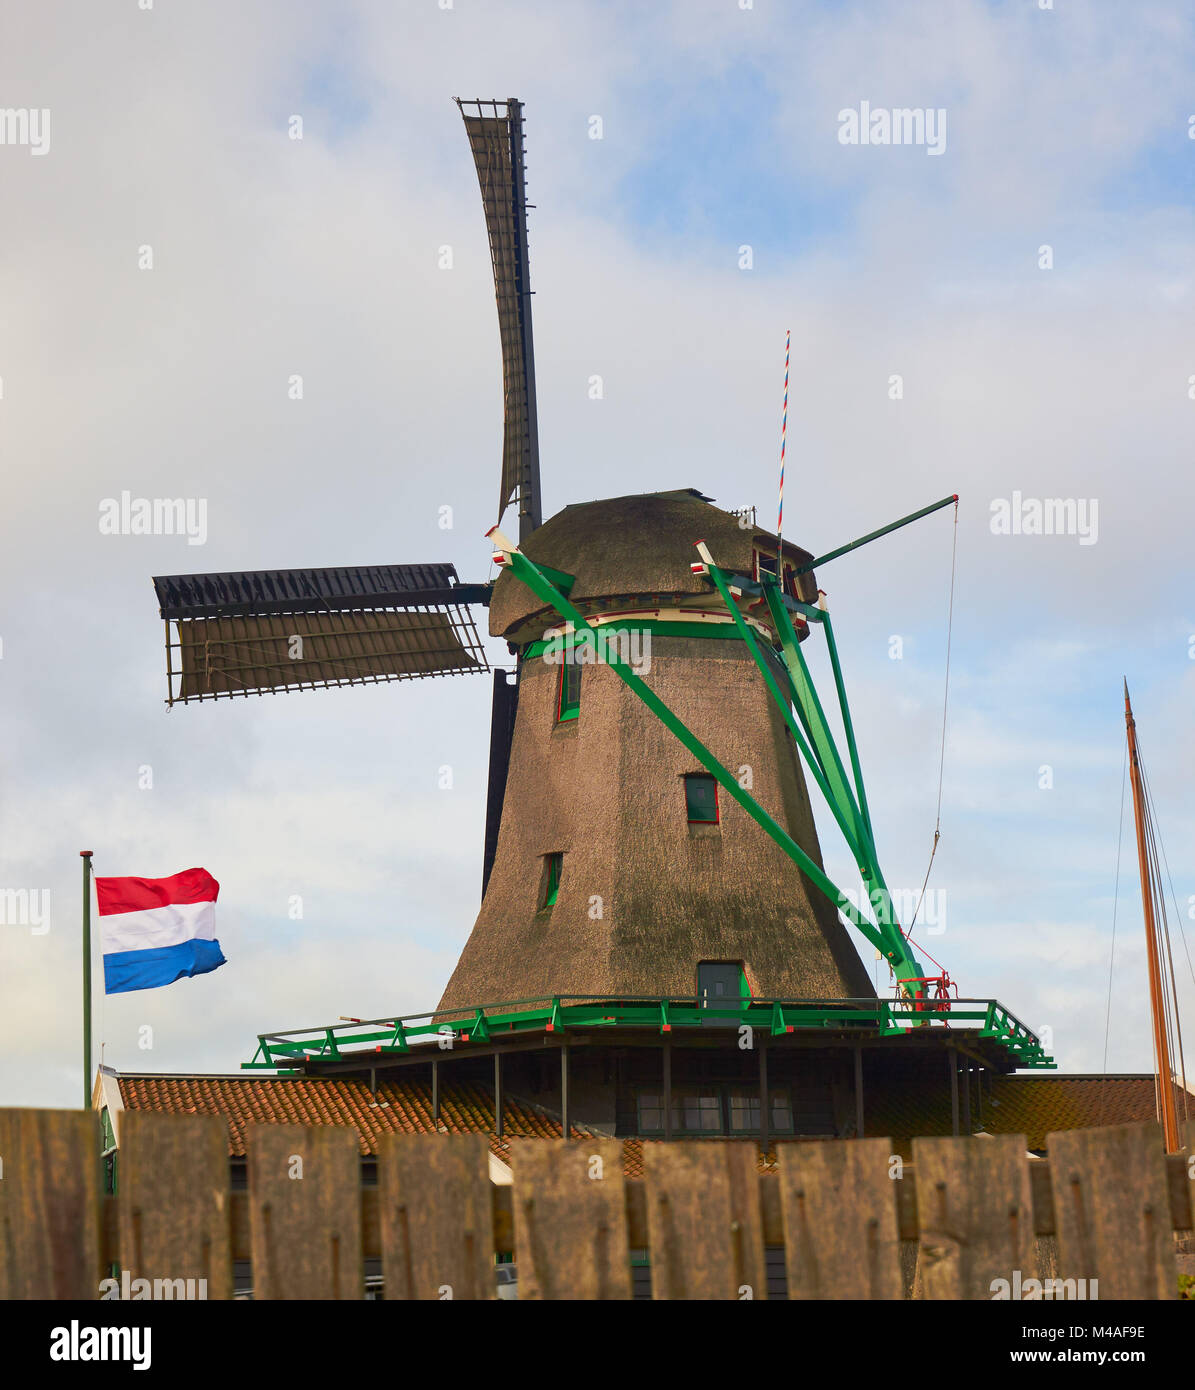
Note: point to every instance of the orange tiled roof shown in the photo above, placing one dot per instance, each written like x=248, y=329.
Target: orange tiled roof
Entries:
x=1028, y=1105
x=403, y=1107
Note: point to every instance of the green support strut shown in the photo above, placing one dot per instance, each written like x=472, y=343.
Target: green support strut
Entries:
x=852, y=817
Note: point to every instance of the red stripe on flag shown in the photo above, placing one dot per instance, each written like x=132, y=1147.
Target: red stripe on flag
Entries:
x=140, y=894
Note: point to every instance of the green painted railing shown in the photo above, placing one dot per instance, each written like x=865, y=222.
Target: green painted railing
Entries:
x=359, y=1039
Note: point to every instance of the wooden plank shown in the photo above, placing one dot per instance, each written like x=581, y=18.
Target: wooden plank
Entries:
x=305, y=1211
x=975, y=1206
x=689, y=1222
x=840, y=1231
x=570, y=1219
x=437, y=1222
x=172, y=1204
x=1112, y=1210
x=50, y=1193
x=746, y=1220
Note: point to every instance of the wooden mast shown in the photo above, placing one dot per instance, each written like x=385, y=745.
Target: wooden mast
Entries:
x=1156, y=998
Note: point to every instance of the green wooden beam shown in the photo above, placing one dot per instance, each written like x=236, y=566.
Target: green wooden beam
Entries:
x=875, y=535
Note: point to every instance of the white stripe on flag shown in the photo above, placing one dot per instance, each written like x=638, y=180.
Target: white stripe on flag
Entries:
x=158, y=926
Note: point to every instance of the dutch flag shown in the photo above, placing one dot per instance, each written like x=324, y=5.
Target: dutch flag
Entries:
x=156, y=930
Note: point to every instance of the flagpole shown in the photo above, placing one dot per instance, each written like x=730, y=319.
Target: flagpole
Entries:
x=85, y=855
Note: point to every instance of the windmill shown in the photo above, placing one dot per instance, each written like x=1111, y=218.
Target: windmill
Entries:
x=623, y=854
x=236, y=634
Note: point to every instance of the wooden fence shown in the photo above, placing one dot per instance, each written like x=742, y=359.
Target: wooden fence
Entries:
x=978, y=1209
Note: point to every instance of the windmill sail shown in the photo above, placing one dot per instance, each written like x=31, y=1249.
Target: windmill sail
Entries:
x=495, y=130
x=270, y=630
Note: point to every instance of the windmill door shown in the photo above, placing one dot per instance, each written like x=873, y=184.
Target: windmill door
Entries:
x=718, y=987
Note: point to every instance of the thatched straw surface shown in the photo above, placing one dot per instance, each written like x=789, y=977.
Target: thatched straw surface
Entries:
x=644, y=896
x=633, y=545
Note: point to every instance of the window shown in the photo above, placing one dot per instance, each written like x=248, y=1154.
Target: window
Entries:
x=744, y=1112
x=699, y=1113
x=701, y=799
x=553, y=864
x=568, y=696
x=693, y=1112
x=714, y=1109
x=651, y=1113
x=764, y=564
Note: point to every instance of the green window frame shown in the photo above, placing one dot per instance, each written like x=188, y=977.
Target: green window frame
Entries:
x=714, y=1108
x=568, y=690
x=695, y=1110
x=744, y=1111
x=554, y=866
x=701, y=799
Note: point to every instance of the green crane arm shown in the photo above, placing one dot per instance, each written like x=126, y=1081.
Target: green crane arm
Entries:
x=886, y=937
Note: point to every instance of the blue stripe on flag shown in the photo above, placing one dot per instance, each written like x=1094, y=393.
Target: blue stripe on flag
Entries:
x=161, y=965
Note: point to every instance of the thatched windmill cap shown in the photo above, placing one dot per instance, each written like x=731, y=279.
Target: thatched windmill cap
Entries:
x=634, y=548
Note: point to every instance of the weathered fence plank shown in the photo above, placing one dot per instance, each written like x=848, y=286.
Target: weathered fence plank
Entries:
x=1112, y=1209
x=840, y=1232
x=305, y=1211
x=975, y=1209
x=747, y=1219
x=172, y=1200
x=703, y=1214
x=689, y=1220
x=50, y=1191
x=570, y=1219
x=436, y=1216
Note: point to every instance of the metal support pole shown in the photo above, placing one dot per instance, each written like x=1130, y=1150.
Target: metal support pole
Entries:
x=764, y=1098
x=667, y=1088
x=435, y=1093
x=564, y=1120
x=498, y=1094
x=952, y=1067
x=875, y=535
x=858, y=1092
x=373, y=1082
x=848, y=727
x=85, y=855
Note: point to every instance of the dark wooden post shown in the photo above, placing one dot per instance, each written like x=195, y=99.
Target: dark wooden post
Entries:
x=952, y=1068
x=498, y=1094
x=667, y=1088
x=858, y=1092
x=967, y=1095
x=564, y=1121
x=764, y=1107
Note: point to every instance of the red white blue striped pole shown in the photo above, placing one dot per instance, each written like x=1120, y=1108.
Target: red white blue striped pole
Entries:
x=783, y=443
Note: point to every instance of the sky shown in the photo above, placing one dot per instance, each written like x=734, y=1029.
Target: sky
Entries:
x=1006, y=316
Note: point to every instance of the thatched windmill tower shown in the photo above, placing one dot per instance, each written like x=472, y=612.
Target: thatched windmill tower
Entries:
x=614, y=864
x=611, y=878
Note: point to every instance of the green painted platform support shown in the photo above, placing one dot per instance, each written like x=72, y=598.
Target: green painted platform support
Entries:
x=962, y=1020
